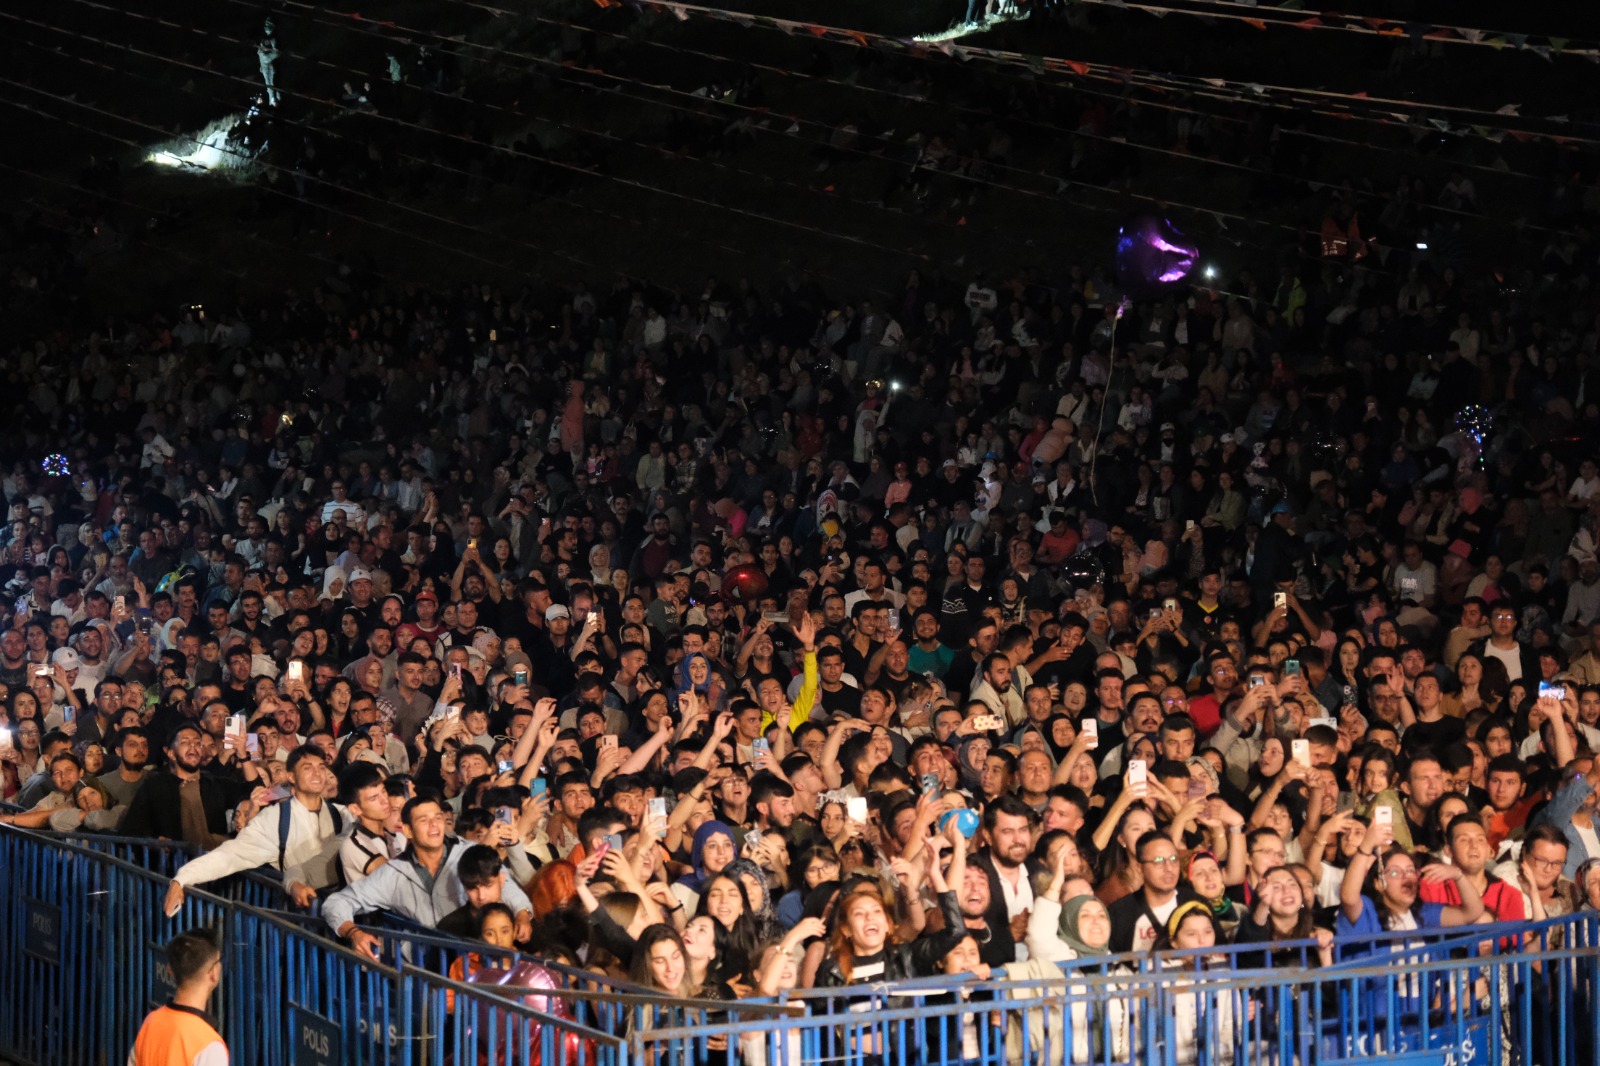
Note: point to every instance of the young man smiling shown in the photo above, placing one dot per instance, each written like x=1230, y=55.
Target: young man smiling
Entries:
x=423, y=884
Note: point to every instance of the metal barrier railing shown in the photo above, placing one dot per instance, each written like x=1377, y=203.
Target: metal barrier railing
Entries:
x=71, y=918
x=257, y=888
x=1103, y=1019
x=327, y=1003
x=587, y=995
x=83, y=960
x=456, y=1022
x=158, y=856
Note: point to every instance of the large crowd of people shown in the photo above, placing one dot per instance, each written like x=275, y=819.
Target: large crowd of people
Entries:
x=753, y=640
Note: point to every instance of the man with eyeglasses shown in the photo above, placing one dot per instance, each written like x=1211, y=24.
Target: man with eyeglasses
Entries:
x=1222, y=674
x=355, y=517
x=1136, y=919
x=1501, y=643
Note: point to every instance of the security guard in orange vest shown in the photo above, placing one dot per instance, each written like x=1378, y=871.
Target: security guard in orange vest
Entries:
x=182, y=1033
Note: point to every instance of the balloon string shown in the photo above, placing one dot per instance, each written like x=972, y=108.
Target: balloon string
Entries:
x=1105, y=397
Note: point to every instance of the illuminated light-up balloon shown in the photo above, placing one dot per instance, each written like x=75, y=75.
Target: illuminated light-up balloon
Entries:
x=1083, y=570
x=1475, y=423
x=744, y=584
x=56, y=465
x=1475, y=420
x=1327, y=448
x=1152, y=256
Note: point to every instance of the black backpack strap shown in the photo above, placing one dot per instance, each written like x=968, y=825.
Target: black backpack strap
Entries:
x=283, y=830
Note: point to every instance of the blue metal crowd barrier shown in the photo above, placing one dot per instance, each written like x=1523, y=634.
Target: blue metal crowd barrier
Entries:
x=73, y=918
x=82, y=960
x=158, y=856
x=588, y=995
x=82, y=938
x=1082, y=1017
x=327, y=1003
x=456, y=1022
x=257, y=888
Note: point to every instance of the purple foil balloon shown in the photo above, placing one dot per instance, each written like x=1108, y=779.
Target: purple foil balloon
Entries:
x=525, y=975
x=1152, y=255
x=530, y=984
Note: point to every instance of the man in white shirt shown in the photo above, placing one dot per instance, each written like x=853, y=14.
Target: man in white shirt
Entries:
x=355, y=516
x=874, y=587
x=156, y=454
x=1583, y=597
x=308, y=856
x=980, y=298
x=1502, y=642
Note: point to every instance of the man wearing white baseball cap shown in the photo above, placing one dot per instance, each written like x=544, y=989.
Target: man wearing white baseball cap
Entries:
x=68, y=701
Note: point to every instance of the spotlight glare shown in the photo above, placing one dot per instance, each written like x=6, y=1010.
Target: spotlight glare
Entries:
x=207, y=150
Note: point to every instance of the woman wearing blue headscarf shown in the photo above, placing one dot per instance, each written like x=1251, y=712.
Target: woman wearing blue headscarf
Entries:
x=713, y=850
x=695, y=674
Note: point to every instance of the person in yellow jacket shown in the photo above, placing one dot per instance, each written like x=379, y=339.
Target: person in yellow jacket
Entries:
x=182, y=1033
x=799, y=712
